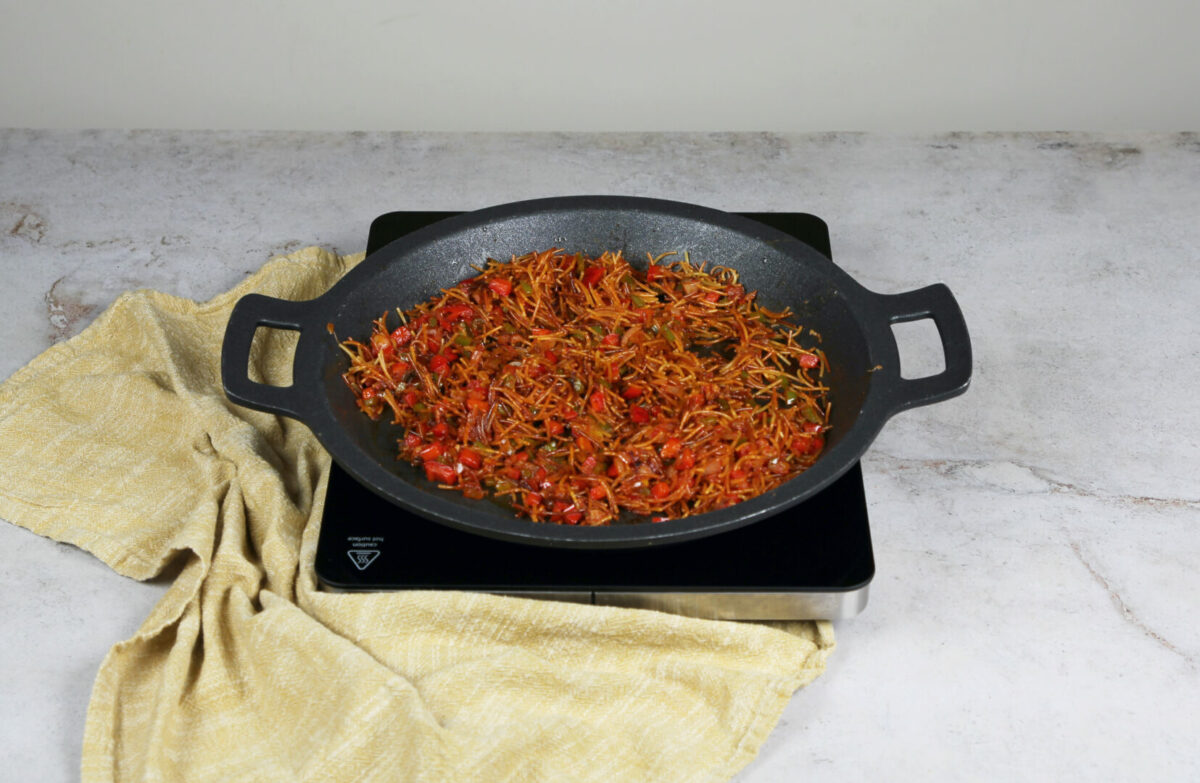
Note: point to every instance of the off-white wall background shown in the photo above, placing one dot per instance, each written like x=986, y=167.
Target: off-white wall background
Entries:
x=897, y=65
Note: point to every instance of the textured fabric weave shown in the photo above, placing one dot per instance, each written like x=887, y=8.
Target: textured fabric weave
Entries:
x=121, y=442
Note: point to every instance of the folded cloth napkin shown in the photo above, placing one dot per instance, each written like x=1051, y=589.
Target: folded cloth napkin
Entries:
x=121, y=442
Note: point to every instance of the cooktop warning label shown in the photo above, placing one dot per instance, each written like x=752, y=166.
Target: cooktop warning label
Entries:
x=363, y=550
x=363, y=557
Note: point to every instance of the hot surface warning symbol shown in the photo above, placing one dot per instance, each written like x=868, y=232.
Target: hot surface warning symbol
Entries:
x=362, y=557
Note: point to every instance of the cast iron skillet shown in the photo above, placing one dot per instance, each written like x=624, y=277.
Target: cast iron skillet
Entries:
x=866, y=388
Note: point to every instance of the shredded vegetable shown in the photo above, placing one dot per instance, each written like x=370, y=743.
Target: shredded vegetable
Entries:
x=584, y=391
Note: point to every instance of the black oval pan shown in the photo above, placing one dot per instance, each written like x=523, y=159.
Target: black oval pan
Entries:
x=866, y=388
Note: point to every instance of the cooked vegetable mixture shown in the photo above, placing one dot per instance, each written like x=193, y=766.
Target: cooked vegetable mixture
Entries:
x=584, y=390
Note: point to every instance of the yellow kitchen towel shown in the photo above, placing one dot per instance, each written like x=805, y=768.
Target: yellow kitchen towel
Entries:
x=121, y=442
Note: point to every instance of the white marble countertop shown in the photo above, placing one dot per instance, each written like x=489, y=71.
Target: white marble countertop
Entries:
x=1037, y=540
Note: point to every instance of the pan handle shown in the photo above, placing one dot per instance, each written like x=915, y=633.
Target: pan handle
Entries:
x=938, y=303
x=251, y=312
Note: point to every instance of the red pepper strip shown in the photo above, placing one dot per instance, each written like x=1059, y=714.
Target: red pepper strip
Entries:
x=440, y=472
x=500, y=286
x=804, y=445
x=456, y=312
x=470, y=458
x=808, y=361
x=592, y=275
x=610, y=339
x=402, y=335
x=632, y=392
x=596, y=401
x=639, y=414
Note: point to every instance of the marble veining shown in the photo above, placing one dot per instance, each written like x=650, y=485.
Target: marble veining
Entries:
x=1124, y=608
x=1033, y=611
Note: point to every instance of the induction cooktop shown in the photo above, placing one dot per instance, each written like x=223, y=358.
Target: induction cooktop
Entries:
x=813, y=561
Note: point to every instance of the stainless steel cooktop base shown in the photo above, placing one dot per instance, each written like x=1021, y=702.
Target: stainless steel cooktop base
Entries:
x=726, y=605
